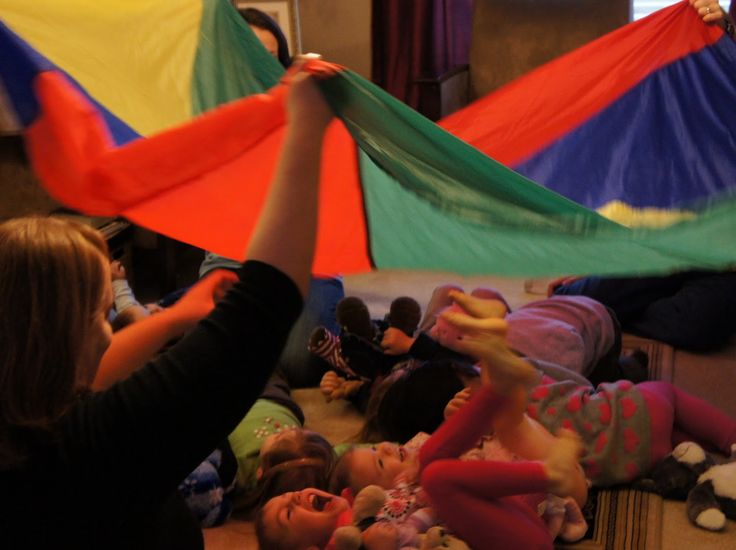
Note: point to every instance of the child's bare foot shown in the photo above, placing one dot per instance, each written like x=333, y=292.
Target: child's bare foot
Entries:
x=561, y=465
x=485, y=339
x=481, y=308
x=508, y=372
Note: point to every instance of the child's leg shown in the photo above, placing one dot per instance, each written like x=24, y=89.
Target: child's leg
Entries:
x=486, y=293
x=479, y=501
x=684, y=412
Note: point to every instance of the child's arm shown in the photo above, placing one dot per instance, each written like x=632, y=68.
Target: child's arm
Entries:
x=423, y=346
x=396, y=341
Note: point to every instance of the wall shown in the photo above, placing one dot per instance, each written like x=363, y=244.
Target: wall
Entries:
x=507, y=43
x=340, y=30
x=20, y=192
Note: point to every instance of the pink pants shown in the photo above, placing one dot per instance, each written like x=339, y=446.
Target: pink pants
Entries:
x=481, y=502
x=488, y=504
x=678, y=416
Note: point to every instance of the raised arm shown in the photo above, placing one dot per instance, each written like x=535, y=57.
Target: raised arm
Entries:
x=286, y=232
x=173, y=412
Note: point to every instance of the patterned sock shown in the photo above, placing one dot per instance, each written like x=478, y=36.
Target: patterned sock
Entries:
x=327, y=346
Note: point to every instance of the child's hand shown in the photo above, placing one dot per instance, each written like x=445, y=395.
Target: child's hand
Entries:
x=396, y=342
x=153, y=307
x=382, y=535
x=329, y=385
x=561, y=465
x=201, y=298
x=335, y=387
x=561, y=281
x=459, y=400
x=117, y=270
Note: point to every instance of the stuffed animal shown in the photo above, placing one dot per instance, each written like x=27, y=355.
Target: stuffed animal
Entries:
x=368, y=502
x=436, y=538
x=689, y=473
x=713, y=499
x=367, y=505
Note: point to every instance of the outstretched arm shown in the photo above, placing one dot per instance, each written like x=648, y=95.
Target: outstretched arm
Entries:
x=284, y=238
x=287, y=228
x=136, y=344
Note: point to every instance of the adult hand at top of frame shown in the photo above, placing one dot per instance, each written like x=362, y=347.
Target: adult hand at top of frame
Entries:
x=709, y=10
x=306, y=103
x=201, y=298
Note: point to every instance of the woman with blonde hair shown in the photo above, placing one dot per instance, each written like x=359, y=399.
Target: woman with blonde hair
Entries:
x=100, y=470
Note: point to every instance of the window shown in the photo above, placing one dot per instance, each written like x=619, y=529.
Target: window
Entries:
x=642, y=8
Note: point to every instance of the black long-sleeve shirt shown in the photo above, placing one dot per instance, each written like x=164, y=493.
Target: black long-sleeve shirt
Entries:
x=109, y=477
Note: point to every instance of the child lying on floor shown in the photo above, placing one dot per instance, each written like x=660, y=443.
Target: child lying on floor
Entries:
x=576, y=333
x=355, y=353
x=267, y=454
x=484, y=492
x=625, y=428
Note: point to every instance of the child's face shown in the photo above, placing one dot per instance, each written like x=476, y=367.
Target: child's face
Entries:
x=304, y=518
x=381, y=464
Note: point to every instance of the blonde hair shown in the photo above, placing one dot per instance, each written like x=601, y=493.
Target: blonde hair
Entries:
x=52, y=276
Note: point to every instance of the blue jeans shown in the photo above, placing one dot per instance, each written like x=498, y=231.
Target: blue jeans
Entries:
x=297, y=364
x=301, y=367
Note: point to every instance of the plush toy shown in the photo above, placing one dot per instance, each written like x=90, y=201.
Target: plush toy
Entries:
x=689, y=473
x=368, y=504
x=436, y=538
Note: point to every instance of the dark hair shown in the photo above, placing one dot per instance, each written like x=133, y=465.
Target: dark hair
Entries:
x=257, y=18
x=291, y=465
x=412, y=399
